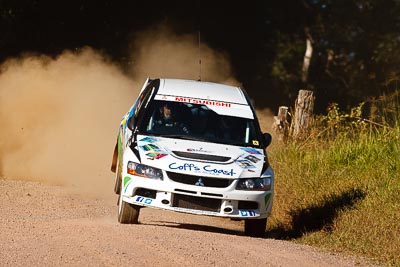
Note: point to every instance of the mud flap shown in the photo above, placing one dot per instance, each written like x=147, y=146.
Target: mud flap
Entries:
x=114, y=159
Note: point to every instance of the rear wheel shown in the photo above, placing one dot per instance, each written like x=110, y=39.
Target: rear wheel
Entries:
x=127, y=213
x=255, y=227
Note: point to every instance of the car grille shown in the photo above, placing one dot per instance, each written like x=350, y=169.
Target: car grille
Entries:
x=201, y=156
x=196, y=203
x=202, y=181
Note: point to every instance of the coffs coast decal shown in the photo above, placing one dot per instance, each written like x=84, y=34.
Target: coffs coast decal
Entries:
x=208, y=169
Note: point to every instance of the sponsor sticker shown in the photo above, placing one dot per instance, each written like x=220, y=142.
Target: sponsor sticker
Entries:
x=149, y=147
x=247, y=213
x=143, y=200
x=245, y=164
x=149, y=139
x=153, y=151
x=266, y=199
x=252, y=158
x=202, y=102
x=209, y=169
x=251, y=150
x=198, y=150
x=127, y=181
x=204, y=212
x=155, y=155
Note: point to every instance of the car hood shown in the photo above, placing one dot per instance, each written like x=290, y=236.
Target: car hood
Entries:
x=200, y=158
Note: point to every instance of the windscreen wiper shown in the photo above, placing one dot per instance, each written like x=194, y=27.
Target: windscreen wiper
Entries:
x=185, y=137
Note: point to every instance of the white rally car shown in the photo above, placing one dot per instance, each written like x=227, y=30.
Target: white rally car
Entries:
x=193, y=147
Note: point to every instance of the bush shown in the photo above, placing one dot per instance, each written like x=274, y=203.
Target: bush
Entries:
x=340, y=188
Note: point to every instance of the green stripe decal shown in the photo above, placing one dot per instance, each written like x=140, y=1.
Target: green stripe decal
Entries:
x=266, y=199
x=119, y=147
x=126, y=180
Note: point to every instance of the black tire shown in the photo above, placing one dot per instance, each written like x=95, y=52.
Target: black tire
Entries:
x=127, y=213
x=118, y=178
x=255, y=227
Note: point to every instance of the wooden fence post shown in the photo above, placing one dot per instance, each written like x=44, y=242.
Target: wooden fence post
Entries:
x=281, y=123
x=303, y=115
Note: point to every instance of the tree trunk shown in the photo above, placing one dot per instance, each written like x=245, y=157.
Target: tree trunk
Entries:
x=303, y=114
x=281, y=123
x=307, y=56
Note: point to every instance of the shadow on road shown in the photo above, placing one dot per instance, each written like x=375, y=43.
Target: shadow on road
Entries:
x=196, y=227
x=310, y=219
x=315, y=218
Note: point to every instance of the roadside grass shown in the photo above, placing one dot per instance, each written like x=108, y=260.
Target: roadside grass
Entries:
x=339, y=188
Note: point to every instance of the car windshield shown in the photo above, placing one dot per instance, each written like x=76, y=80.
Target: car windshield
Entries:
x=197, y=122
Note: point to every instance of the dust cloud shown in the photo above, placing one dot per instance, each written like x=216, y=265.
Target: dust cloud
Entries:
x=59, y=116
x=159, y=52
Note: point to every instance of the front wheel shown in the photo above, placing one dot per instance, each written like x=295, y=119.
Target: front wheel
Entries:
x=255, y=227
x=127, y=213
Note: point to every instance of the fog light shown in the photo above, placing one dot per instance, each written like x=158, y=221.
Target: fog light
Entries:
x=228, y=209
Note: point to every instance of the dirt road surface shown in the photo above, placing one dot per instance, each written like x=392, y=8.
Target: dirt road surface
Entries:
x=48, y=225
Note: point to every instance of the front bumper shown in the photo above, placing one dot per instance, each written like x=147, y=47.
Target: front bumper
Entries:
x=222, y=202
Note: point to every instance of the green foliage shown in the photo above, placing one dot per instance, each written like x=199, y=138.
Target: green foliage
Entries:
x=340, y=189
x=336, y=122
x=355, y=48
x=289, y=53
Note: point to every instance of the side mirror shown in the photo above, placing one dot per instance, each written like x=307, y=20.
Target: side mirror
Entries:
x=267, y=139
x=131, y=123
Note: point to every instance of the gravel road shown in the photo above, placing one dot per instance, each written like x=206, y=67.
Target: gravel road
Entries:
x=48, y=225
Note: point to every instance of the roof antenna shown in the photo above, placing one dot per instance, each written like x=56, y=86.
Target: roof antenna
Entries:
x=199, y=57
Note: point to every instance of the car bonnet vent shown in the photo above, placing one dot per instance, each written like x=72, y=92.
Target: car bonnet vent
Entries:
x=204, y=157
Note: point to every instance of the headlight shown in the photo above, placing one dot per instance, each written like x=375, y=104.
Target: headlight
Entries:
x=260, y=184
x=144, y=171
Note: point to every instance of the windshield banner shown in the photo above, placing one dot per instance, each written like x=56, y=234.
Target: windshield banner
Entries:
x=220, y=107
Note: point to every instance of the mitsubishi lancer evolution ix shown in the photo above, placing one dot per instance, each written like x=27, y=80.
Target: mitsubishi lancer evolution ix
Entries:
x=193, y=147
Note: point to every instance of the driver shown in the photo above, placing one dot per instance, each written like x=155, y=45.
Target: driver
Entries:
x=169, y=119
x=166, y=112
